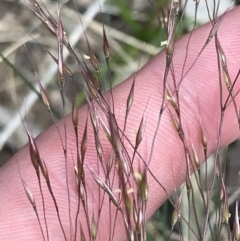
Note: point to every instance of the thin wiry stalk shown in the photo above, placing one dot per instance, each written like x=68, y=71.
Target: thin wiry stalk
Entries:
x=191, y=32
x=60, y=36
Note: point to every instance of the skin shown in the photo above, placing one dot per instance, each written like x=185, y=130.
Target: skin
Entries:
x=199, y=96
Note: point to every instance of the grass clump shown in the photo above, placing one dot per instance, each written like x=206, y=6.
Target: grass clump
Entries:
x=107, y=151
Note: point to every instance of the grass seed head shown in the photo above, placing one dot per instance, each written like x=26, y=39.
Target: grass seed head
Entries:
x=130, y=97
x=236, y=227
x=29, y=194
x=74, y=113
x=140, y=132
x=195, y=157
x=84, y=142
x=225, y=213
x=188, y=183
x=94, y=229
x=106, y=48
x=93, y=58
x=44, y=169
x=143, y=186
x=175, y=217
x=203, y=139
